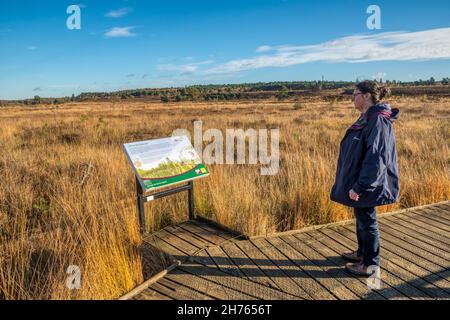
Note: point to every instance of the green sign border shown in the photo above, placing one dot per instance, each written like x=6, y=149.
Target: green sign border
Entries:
x=152, y=184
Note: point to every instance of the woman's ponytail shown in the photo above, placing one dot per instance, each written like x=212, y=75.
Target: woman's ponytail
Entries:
x=384, y=93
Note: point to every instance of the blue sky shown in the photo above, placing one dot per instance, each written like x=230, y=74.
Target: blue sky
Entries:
x=135, y=44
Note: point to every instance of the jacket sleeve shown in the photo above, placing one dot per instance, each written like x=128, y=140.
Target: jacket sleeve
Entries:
x=374, y=160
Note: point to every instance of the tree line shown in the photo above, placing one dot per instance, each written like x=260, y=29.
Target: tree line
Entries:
x=221, y=92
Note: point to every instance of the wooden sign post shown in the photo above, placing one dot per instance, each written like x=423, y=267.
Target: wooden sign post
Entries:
x=142, y=199
x=160, y=163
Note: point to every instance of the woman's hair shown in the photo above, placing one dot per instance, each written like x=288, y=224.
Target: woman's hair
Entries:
x=376, y=90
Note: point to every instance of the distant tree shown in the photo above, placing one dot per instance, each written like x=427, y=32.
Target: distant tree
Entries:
x=193, y=93
x=72, y=98
x=432, y=81
x=445, y=81
x=36, y=100
x=283, y=93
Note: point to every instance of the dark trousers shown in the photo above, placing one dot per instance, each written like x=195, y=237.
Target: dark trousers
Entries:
x=368, y=235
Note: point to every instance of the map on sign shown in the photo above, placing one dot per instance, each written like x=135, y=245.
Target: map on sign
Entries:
x=162, y=162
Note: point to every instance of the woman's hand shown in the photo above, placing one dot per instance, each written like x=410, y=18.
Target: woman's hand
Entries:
x=353, y=195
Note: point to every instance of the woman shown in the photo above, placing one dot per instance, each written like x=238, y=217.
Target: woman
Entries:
x=367, y=172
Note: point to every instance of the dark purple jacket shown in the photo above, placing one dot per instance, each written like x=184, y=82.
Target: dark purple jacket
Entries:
x=367, y=160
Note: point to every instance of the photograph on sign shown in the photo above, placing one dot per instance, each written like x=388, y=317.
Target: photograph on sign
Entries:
x=162, y=162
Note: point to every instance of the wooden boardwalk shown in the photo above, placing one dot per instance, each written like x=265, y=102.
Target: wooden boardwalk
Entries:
x=306, y=264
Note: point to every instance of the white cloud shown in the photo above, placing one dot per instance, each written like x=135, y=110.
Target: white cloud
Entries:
x=388, y=46
x=263, y=48
x=184, y=68
x=118, y=32
x=118, y=13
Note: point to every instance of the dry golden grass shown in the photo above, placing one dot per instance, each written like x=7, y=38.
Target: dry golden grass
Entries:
x=67, y=193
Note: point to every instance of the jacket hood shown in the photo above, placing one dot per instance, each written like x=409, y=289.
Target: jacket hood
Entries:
x=382, y=109
x=385, y=110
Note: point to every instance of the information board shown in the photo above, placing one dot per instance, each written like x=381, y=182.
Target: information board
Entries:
x=163, y=162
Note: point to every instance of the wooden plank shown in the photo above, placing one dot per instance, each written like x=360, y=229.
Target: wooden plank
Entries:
x=223, y=262
x=150, y=294
x=164, y=246
x=414, y=233
x=187, y=236
x=323, y=257
x=419, y=223
x=213, y=289
x=414, y=248
x=202, y=233
x=176, y=242
x=430, y=262
x=445, y=203
x=396, y=267
x=199, y=256
x=396, y=246
x=415, y=229
x=394, y=255
x=138, y=289
x=389, y=281
x=238, y=235
x=437, y=215
x=186, y=292
x=436, y=210
x=392, y=286
x=247, y=266
x=430, y=211
x=329, y=288
x=441, y=213
x=227, y=236
x=202, y=257
x=444, y=206
x=271, y=270
x=217, y=265
x=169, y=292
x=311, y=287
x=431, y=225
x=419, y=243
x=251, y=289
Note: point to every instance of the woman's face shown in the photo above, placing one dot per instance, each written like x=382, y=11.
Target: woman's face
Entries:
x=360, y=99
